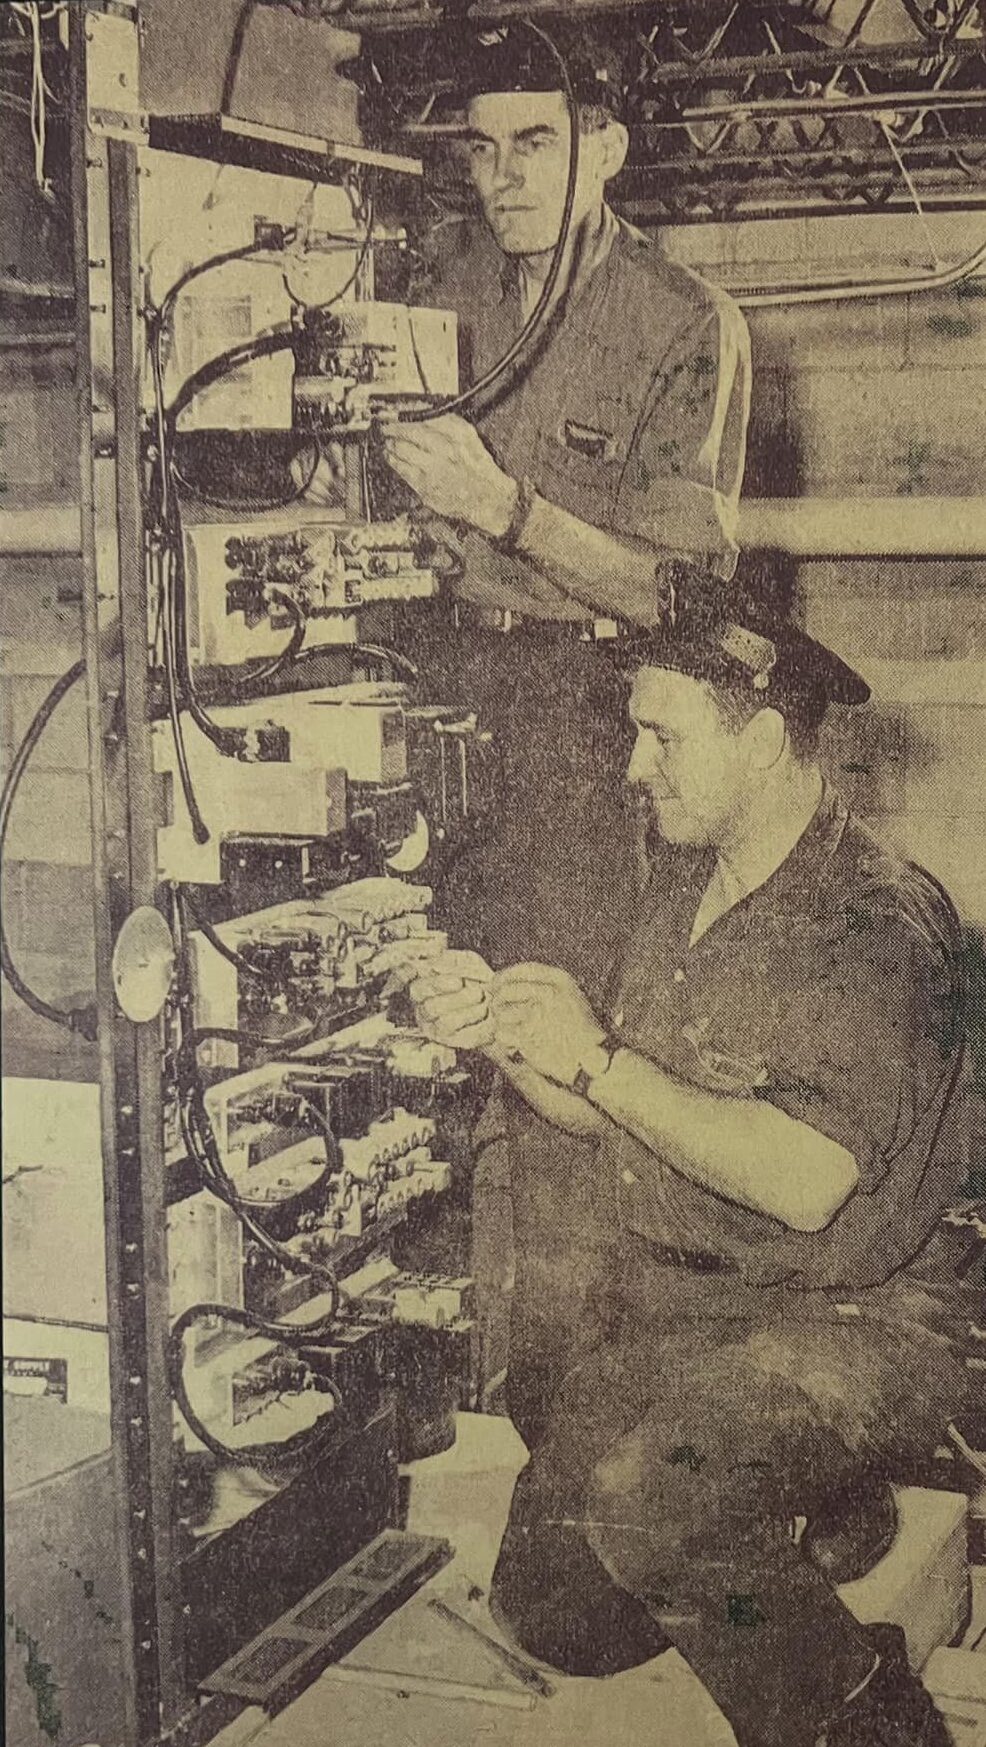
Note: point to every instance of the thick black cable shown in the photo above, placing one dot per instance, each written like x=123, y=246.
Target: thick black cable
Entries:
x=288, y=655
x=247, y=505
x=265, y=345
x=200, y=830
x=458, y=403
x=270, y=1456
x=203, y=1150
x=83, y=1020
x=215, y=940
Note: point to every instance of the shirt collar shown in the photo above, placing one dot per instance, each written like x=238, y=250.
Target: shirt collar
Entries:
x=587, y=259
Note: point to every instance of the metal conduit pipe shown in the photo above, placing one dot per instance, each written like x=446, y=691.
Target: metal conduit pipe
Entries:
x=805, y=527
x=865, y=527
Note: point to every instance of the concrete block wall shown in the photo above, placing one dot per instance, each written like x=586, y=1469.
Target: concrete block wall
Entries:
x=881, y=397
x=47, y=879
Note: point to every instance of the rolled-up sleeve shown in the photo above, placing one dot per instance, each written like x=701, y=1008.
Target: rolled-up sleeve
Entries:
x=681, y=486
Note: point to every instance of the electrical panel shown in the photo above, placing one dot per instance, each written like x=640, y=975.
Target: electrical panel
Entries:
x=311, y=1133
x=253, y=581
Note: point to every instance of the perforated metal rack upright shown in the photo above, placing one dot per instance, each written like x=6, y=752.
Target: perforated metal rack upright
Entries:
x=106, y=131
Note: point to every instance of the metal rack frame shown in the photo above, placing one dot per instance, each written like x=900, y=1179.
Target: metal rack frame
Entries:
x=105, y=209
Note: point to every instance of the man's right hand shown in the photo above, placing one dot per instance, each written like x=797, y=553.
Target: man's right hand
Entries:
x=451, y=996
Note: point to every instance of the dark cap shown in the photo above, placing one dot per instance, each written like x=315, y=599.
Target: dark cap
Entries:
x=740, y=635
x=513, y=57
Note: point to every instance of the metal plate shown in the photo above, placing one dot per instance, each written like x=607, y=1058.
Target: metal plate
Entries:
x=143, y=964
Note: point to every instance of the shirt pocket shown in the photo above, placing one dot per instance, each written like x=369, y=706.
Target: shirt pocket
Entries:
x=584, y=449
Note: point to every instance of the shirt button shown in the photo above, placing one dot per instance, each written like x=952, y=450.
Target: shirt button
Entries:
x=629, y=1177
x=679, y=975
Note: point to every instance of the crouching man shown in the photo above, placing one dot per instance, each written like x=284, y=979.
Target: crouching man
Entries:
x=771, y=1093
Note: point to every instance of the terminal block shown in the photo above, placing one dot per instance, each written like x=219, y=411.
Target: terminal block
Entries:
x=326, y=960
x=325, y=569
x=358, y=358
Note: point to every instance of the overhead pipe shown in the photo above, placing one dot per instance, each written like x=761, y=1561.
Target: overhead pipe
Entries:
x=865, y=527
x=804, y=527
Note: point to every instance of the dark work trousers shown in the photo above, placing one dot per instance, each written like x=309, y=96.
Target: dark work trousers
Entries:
x=657, y=1505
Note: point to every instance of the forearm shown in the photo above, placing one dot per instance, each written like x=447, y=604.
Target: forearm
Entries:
x=613, y=577
x=742, y=1148
x=563, y=1109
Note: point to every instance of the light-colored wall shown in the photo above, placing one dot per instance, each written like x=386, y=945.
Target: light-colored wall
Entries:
x=881, y=398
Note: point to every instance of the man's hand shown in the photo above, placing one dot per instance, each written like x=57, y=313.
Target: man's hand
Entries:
x=447, y=463
x=541, y=1015
x=451, y=996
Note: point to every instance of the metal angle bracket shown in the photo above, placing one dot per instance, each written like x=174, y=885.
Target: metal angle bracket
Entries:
x=113, y=78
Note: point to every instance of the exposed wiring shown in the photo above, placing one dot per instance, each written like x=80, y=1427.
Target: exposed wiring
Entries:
x=363, y=249
x=248, y=505
x=302, y=1336
x=293, y=1039
x=203, y=1150
x=839, y=290
x=40, y=93
x=458, y=403
x=264, y=345
x=83, y=1020
x=288, y=655
x=205, y=928
x=166, y=615
x=393, y=657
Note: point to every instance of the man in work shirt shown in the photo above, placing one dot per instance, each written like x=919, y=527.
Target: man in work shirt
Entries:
x=619, y=441
x=769, y=1094
x=620, y=436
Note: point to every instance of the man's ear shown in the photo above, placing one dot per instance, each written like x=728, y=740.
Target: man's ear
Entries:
x=616, y=144
x=766, y=736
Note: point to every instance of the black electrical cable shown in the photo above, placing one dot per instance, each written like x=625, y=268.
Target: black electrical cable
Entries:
x=271, y=669
x=243, y=18
x=289, y=1040
x=366, y=245
x=265, y=345
x=305, y=1336
x=458, y=403
x=203, y=1150
x=200, y=830
x=215, y=940
x=393, y=657
x=82, y=1020
x=247, y=505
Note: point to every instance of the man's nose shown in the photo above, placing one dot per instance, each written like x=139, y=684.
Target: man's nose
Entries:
x=637, y=766
x=508, y=169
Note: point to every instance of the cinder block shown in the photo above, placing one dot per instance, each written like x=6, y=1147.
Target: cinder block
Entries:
x=914, y=432
x=51, y=820
x=64, y=744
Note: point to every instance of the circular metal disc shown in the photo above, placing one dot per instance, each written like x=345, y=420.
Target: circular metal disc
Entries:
x=414, y=849
x=143, y=963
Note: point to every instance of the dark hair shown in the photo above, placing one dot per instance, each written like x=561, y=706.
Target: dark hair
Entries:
x=802, y=707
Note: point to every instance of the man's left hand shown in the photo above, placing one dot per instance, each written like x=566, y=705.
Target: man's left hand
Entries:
x=541, y=1015
x=447, y=463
